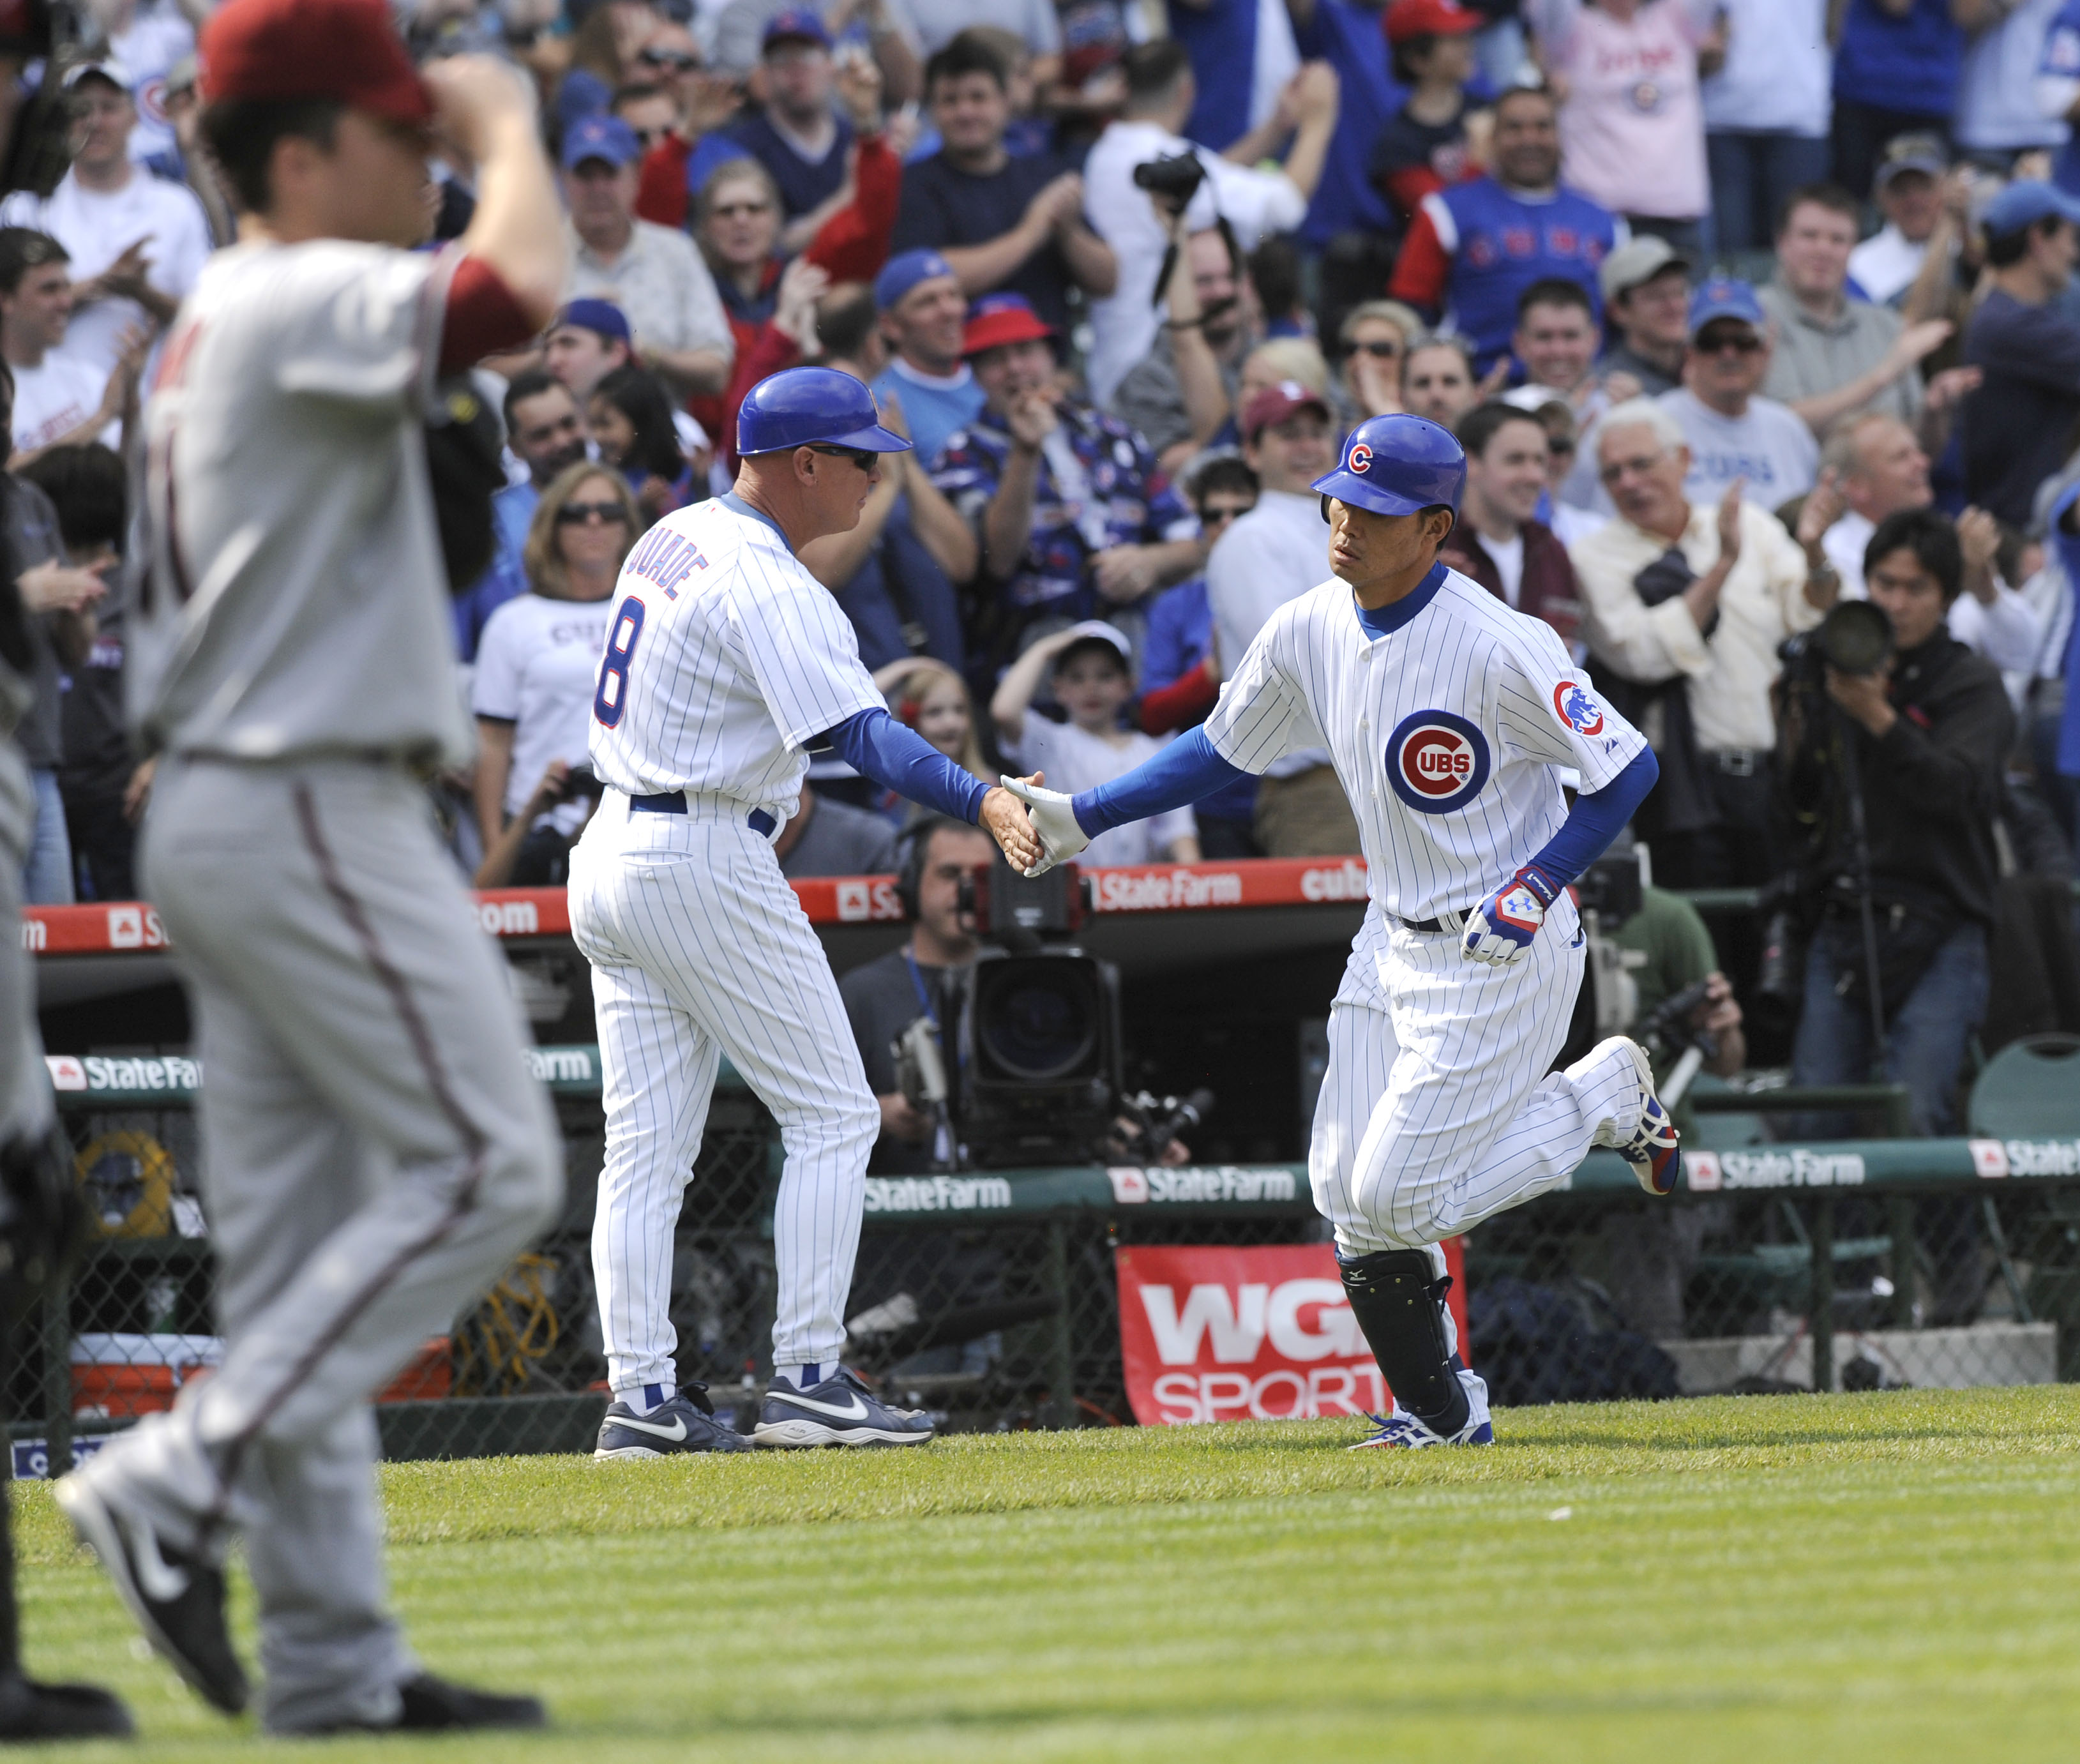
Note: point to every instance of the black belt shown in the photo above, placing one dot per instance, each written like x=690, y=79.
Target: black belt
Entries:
x=1431, y=927
x=674, y=802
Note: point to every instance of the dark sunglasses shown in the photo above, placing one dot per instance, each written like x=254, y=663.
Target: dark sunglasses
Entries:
x=1563, y=444
x=577, y=513
x=1385, y=352
x=1743, y=342
x=865, y=461
x=1214, y=516
x=678, y=63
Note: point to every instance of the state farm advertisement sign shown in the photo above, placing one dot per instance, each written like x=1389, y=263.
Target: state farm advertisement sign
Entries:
x=1263, y=1334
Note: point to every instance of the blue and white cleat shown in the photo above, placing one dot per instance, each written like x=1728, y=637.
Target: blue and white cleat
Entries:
x=1654, y=1150
x=685, y=1423
x=1405, y=1430
x=1410, y=1431
x=839, y=1411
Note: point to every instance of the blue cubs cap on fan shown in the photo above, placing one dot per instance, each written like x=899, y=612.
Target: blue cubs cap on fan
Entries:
x=2025, y=203
x=1725, y=297
x=797, y=24
x=805, y=404
x=1398, y=465
x=903, y=271
x=602, y=317
x=600, y=137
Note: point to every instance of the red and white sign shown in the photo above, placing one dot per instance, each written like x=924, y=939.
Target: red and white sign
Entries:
x=827, y=900
x=1261, y=1334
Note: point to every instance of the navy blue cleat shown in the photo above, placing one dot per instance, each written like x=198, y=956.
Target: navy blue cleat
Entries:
x=685, y=1423
x=839, y=1411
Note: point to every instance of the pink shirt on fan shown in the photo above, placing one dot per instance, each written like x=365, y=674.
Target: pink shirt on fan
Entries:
x=1632, y=130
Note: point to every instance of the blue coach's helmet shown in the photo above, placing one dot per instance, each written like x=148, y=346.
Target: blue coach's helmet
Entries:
x=1398, y=465
x=805, y=404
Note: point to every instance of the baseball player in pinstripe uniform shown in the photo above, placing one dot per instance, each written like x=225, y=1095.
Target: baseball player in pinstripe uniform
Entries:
x=726, y=661
x=1449, y=717
x=375, y=1150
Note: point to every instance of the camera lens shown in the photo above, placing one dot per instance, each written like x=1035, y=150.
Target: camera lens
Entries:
x=1040, y=1026
x=1856, y=637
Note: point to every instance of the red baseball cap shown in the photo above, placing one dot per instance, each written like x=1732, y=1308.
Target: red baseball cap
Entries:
x=1001, y=319
x=1407, y=20
x=1269, y=405
x=344, y=50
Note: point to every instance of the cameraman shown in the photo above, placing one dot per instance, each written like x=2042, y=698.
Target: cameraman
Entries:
x=882, y=998
x=1923, y=734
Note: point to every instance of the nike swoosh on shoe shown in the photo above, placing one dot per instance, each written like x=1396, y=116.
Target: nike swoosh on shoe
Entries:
x=856, y=1412
x=675, y=1432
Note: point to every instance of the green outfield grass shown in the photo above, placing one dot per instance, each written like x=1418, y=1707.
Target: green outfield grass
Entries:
x=1885, y=1576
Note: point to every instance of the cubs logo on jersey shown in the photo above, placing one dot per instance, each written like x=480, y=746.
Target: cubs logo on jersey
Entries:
x=1437, y=761
x=1577, y=707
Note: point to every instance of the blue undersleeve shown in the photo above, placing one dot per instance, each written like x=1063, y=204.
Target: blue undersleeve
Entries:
x=876, y=746
x=1185, y=771
x=1594, y=822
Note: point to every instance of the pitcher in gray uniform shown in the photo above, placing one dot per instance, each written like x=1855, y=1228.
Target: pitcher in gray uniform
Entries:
x=375, y=1152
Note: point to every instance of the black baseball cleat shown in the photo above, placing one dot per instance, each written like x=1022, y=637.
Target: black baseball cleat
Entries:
x=176, y=1598
x=839, y=1411
x=686, y=1423
x=430, y=1705
x=30, y=1711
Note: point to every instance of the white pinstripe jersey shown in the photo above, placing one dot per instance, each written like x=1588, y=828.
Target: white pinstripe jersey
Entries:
x=724, y=658
x=1446, y=733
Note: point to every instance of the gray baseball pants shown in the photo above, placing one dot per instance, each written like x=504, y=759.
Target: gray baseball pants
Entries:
x=26, y=1106
x=375, y=1153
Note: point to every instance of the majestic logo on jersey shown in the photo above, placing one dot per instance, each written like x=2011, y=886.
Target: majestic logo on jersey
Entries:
x=1436, y=762
x=1361, y=459
x=1578, y=708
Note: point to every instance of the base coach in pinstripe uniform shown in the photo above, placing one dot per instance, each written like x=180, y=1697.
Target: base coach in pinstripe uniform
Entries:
x=725, y=662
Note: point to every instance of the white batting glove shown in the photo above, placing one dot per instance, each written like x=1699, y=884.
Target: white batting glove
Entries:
x=1500, y=931
x=1053, y=820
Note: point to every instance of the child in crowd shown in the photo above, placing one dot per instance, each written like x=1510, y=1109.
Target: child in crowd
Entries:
x=630, y=420
x=1090, y=669
x=928, y=696
x=1440, y=136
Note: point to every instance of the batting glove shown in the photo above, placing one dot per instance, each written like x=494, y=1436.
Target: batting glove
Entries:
x=1053, y=820
x=1500, y=931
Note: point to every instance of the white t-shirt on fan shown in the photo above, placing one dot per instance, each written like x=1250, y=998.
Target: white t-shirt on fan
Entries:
x=537, y=667
x=96, y=228
x=55, y=397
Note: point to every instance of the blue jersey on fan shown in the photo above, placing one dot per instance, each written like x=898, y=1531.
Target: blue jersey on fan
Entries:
x=2061, y=62
x=1500, y=242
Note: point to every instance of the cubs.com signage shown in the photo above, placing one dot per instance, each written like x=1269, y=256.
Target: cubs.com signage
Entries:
x=1263, y=1334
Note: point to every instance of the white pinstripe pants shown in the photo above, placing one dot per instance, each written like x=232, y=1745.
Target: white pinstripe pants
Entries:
x=1437, y=1110
x=699, y=948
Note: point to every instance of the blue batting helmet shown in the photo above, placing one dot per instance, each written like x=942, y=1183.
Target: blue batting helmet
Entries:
x=806, y=404
x=1398, y=465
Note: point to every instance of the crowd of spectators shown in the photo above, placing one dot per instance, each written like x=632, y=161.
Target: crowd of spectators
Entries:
x=1742, y=309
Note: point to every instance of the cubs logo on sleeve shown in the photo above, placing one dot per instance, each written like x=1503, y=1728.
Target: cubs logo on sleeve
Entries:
x=1437, y=761
x=1577, y=706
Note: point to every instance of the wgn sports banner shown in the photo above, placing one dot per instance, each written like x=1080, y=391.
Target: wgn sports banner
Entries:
x=1263, y=1334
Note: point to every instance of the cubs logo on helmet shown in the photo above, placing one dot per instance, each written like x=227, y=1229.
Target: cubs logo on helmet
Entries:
x=1436, y=762
x=1578, y=708
x=1360, y=459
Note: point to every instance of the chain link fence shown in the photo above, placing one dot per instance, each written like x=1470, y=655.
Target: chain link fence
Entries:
x=990, y=1299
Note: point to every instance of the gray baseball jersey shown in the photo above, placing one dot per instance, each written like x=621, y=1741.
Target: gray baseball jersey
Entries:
x=293, y=604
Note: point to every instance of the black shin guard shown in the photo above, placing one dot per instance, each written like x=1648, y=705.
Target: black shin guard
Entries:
x=1399, y=1303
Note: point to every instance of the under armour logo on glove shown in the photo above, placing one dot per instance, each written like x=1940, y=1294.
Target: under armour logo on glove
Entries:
x=1500, y=931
